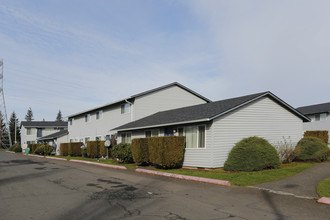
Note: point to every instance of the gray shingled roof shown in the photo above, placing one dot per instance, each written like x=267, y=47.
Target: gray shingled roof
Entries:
x=313, y=109
x=54, y=135
x=44, y=123
x=202, y=112
x=142, y=94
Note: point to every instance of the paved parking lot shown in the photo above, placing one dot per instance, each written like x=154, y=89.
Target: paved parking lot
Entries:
x=39, y=188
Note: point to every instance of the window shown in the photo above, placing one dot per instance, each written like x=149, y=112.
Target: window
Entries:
x=126, y=138
x=195, y=136
x=71, y=121
x=98, y=138
x=180, y=131
x=323, y=116
x=71, y=140
x=87, y=117
x=99, y=114
x=317, y=117
x=30, y=131
x=81, y=140
x=125, y=108
x=152, y=133
x=87, y=139
x=30, y=142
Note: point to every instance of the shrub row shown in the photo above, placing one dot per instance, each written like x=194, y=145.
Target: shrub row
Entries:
x=122, y=153
x=163, y=152
x=95, y=149
x=323, y=135
x=71, y=149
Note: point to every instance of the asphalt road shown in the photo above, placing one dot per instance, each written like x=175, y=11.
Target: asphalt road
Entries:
x=37, y=188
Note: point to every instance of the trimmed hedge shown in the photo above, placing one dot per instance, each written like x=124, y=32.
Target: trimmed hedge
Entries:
x=308, y=147
x=323, y=135
x=322, y=155
x=163, y=152
x=252, y=154
x=32, y=147
x=122, y=152
x=64, y=149
x=140, y=151
x=95, y=149
x=74, y=148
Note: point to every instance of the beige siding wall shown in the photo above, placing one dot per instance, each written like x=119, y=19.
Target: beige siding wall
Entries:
x=112, y=118
x=263, y=118
x=169, y=98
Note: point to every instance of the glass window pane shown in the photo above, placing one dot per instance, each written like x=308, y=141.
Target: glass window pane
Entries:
x=323, y=116
x=317, y=117
x=191, y=137
x=148, y=133
x=155, y=133
x=180, y=130
x=201, y=136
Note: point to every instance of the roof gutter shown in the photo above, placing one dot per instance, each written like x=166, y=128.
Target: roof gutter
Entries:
x=162, y=125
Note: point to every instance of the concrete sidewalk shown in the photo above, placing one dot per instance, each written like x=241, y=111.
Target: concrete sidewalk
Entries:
x=302, y=184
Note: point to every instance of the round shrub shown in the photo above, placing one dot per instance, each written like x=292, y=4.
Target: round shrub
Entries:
x=122, y=152
x=44, y=149
x=252, y=154
x=308, y=146
x=18, y=148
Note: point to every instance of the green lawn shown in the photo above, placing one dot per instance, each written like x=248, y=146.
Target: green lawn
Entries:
x=246, y=178
x=323, y=188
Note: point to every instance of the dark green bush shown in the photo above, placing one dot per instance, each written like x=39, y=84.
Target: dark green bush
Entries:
x=74, y=148
x=322, y=155
x=323, y=135
x=252, y=154
x=84, y=152
x=140, y=151
x=64, y=149
x=308, y=146
x=122, y=152
x=44, y=149
x=17, y=148
x=11, y=148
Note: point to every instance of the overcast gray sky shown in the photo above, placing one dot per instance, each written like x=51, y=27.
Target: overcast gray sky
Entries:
x=74, y=55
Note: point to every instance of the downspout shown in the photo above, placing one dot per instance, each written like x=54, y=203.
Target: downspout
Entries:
x=131, y=109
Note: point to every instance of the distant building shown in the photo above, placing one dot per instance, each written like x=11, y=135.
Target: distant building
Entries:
x=319, y=115
x=31, y=131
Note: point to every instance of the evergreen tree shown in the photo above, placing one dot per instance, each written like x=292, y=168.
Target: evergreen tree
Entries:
x=4, y=133
x=12, y=123
x=29, y=115
x=59, y=116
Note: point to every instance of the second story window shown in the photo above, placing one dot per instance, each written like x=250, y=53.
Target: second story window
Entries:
x=125, y=108
x=29, y=131
x=71, y=121
x=87, y=117
x=99, y=114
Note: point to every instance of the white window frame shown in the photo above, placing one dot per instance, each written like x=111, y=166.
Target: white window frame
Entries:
x=71, y=121
x=125, y=133
x=197, y=141
x=123, y=108
x=98, y=115
x=85, y=142
x=151, y=133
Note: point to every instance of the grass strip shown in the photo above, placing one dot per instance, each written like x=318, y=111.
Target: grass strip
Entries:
x=246, y=178
x=323, y=188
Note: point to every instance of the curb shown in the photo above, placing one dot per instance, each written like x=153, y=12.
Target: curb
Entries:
x=11, y=152
x=324, y=200
x=56, y=158
x=100, y=164
x=32, y=155
x=184, y=177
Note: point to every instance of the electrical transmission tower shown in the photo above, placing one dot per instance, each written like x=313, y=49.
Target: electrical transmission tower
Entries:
x=5, y=141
